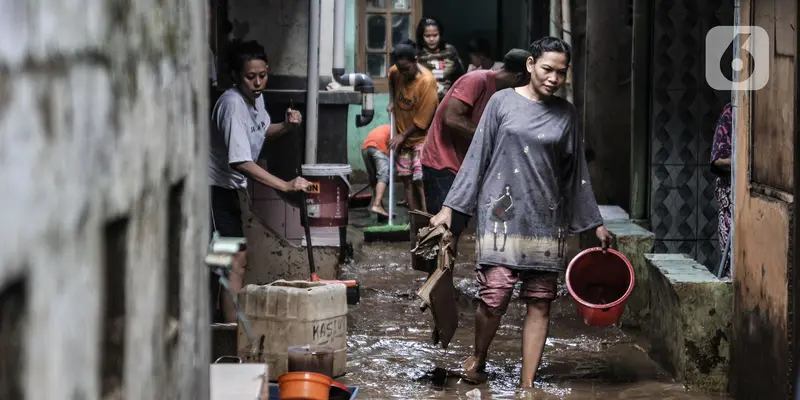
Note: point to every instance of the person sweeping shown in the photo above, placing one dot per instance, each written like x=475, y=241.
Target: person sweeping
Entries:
x=375, y=152
x=525, y=175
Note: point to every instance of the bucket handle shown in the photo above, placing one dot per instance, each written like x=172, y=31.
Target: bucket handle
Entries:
x=346, y=182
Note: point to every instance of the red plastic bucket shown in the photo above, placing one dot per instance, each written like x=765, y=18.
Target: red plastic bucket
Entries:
x=600, y=284
x=327, y=200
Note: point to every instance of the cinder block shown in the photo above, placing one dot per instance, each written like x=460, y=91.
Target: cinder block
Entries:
x=690, y=321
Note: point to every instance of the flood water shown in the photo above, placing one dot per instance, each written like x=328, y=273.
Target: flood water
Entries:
x=391, y=355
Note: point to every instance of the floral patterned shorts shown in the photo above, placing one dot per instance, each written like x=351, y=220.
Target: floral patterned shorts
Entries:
x=409, y=163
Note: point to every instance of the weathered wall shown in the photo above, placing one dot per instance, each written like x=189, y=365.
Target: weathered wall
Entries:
x=762, y=348
x=103, y=149
x=281, y=26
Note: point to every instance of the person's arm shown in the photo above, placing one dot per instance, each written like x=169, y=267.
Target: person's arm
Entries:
x=390, y=79
x=458, y=111
x=240, y=158
x=276, y=130
x=252, y=171
x=581, y=210
x=458, y=118
x=720, y=145
x=723, y=163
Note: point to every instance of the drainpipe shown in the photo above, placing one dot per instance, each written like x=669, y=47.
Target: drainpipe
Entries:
x=734, y=127
x=312, y=83
x=566, y=28
x=361, y=82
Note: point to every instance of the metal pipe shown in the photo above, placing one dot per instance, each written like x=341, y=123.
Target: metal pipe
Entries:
x=726, y=255
x=312, y=85
x=361, y=82
x=566, y=29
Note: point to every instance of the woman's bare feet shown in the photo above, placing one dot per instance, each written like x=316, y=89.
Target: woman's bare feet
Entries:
x=379, y=210
x=474, y=370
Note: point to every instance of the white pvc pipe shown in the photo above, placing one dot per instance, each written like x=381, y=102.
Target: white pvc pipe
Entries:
x=312, y=83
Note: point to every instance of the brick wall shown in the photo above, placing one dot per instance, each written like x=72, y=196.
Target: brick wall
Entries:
x=103, y=151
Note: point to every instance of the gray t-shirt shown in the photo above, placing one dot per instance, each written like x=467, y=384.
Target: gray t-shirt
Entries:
x=238, y=131
x=525, y=173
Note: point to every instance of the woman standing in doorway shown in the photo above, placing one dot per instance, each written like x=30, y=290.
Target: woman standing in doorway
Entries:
x=721, y=166
x=240, y=125
x=437, y=55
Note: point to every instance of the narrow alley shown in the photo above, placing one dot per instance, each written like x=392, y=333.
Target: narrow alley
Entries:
x=391, y=355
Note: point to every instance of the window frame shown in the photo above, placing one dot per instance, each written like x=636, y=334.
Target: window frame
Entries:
x=381, y=83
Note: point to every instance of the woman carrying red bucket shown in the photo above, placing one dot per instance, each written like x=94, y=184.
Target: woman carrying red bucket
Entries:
x=525, y=175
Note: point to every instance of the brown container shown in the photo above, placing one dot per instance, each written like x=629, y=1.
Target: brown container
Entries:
x=311, y=358
x=326, y=202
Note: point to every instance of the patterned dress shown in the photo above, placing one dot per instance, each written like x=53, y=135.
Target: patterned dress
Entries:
x=721, y=148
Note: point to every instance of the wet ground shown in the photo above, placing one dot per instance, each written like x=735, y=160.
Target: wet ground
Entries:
x=391, y=355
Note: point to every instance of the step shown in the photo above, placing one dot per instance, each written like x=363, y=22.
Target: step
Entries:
x=690, y=321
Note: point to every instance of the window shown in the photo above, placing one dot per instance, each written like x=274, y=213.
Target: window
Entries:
x=382, y=24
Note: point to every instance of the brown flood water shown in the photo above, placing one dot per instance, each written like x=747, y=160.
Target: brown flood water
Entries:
x=391, y=355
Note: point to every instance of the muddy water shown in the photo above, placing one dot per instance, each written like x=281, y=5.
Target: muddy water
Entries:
x=391, y=355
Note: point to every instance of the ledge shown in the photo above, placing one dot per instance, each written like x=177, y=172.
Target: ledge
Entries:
x=690, y=321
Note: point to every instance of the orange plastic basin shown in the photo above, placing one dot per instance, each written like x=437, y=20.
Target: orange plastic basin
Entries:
x=304, y=386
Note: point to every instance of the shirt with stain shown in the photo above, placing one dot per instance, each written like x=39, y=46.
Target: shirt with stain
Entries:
x=526, y=178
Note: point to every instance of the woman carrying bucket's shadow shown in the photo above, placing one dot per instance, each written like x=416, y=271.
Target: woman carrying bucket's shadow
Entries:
x=528, y=145
x=240, y=125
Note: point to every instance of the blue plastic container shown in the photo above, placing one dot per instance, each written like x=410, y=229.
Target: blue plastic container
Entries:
x=274, y=393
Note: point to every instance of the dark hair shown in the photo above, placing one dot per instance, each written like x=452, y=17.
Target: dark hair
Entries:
x=514, y=61
x=240, y=53
x=550, y=44
x=480, y=46
x=424, y=23
x=405, y=50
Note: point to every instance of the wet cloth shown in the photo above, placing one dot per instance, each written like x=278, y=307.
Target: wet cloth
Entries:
x=497, y=286
x=526, y=178
x=438, y=291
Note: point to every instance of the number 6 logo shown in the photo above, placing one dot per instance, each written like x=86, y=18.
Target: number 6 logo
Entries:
x=753, y=48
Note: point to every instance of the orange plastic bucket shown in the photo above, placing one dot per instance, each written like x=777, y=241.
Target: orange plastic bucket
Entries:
x=600, y=283
x=304, y=386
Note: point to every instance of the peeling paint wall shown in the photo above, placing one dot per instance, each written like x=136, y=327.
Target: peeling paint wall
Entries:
x=764, y=270
x=103, y=152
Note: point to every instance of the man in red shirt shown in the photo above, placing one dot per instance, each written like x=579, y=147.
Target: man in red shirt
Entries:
x=454, y=124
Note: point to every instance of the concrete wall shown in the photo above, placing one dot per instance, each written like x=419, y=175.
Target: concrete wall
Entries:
x=764, y=349
x=281, y=26
x=103, y=147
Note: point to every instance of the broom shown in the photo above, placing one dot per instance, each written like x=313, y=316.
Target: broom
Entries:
x=390, y=232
